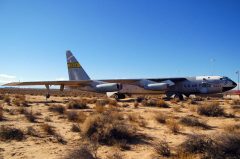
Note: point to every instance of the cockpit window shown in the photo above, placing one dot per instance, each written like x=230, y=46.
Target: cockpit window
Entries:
x=224, y=78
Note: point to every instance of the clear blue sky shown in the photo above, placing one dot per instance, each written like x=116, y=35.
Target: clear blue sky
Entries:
x=119, y=38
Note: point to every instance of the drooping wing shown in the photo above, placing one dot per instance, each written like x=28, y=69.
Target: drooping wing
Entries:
x=51, y=83
x=136, y=81
x=88, y=82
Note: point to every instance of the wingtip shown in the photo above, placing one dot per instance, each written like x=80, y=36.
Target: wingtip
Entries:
x=11, y=84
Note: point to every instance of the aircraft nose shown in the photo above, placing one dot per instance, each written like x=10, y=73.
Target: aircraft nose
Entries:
x=234, y=84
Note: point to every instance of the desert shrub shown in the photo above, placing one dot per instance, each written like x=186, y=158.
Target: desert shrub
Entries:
x=142, y=123
x=184, y=155
x=177, y=108
x=20, y=100
x=9, y=133
x=75, y=128
x=235, y=102
x=48, y=129
x=155, y=103
x=7, y=99
x=193, y=101
x=211, y=109
x=115, y=155
x=236, y=107
x=113, y=103
x=226, y=146
x=233, y=128
x=83, y=152
x=16, y=102
x=77, y=104
x=197, y=144
x=72, y=116
x=125, y=105
x=22, y=110
x=76, y=116
x=161, y=118
x=102, y=102
x=1, y=97
x=99, y=108
x=133, y=117
x=193, y=121
x=51, y=131
x=162, y=148
x=173, y=126
x=30, y=116
x=108, y=128
x=57, y=108
x=149, y=103
x=136, y=104
x=32, y=132
x=1, y=114
x=47, y=119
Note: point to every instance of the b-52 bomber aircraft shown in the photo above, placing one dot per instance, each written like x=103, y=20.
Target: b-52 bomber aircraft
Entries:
x=119, y=88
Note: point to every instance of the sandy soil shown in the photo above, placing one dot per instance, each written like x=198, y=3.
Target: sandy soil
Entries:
x=47, y=146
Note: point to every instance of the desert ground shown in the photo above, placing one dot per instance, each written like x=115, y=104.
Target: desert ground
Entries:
x=87, y=125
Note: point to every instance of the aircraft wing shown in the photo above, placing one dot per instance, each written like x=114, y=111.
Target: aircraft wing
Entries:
x=50, y=83
x=135, y=81
x=88, y=82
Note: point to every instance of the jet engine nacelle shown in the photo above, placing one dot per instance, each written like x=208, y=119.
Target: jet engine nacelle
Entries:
x=156, y=86
x=108, y=87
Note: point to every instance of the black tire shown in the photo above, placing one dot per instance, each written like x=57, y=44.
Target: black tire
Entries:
x=48, y=96
x=118, y=96
x=179, y=96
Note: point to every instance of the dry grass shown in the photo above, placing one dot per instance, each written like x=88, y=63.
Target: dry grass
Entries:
x=155, y=103
x=32, y=132
x=108, y=128
x=197, y=144
x=162, y=148
x=20, y=100
x=7, y=99
x=49, y=130
x=194, y=122
x=226, y=146
x=30, y=116
x=177, y=108
x=233, y=128
x=77, y=104
x=9, y=133
x=75, y=128
x=57, y=108
x=211, y=109
x=115, y=155
x=235, y=102
x=113, y=103
x=83, y=152
x=184, y=155
x=74, y=116
x=173, y=126
x=100, y=108
x=1, y=114
x=136, y=105
x=161, y=118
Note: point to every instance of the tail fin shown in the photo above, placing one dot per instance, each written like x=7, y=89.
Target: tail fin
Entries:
x=75, y=70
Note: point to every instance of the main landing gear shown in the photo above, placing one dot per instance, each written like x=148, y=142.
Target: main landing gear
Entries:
x=175, y=96
x=179, y=96
x=118, y=96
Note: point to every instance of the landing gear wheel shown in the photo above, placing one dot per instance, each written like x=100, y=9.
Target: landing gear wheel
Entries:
x=48, y=96
x=118, y=96
x=179, y=96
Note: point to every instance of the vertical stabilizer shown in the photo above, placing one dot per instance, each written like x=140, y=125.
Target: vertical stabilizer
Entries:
x=75, y=70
